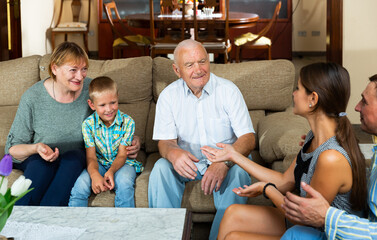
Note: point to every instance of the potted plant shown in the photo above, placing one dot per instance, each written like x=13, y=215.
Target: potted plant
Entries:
x=9, y=196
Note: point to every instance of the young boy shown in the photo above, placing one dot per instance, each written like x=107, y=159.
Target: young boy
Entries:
x=107, y=133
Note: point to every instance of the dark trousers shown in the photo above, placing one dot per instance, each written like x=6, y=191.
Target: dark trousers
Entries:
x=52, y=181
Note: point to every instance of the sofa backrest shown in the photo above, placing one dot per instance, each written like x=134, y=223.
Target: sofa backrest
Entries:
x=265, y=86
x=16, y=77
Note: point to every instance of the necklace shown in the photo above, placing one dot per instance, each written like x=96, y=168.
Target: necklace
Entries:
x=53, y=89
x=53, y=92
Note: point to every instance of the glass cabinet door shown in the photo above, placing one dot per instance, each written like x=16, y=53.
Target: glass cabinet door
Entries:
x=264, y=8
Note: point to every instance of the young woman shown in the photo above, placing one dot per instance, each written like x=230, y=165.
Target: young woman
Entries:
x=330, y=160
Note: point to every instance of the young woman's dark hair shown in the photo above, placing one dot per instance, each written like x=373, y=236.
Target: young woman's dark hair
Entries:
x=332, y=84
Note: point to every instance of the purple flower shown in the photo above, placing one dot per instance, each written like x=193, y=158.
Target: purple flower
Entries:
x=6, y=165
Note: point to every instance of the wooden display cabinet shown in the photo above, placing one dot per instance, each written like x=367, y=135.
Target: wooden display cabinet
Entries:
x=282, y=47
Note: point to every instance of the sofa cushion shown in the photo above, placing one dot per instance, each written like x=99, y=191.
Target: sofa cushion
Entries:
x=256, y=116
x=133, y=76
x=16, y=77
x=139, y=113
x=283, y=165
x=7, y=114
x=163, y=75
x=43, y=66
x=279, y=135
x=141, y=185
x=265, y=85
x=150, y=144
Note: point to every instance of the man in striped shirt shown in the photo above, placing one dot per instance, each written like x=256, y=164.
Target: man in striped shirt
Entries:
x=316, y=211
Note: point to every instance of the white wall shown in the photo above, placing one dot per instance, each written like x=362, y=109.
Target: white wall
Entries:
x=359, y=47
x=36, y=16
x=309, y=16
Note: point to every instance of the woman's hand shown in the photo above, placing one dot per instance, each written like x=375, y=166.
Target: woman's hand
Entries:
x=133, y=150
x=47, y=153
x=219, y=155
x=253, y=190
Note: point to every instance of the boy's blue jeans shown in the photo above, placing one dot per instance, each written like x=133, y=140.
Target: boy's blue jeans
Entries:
x=124, y=188
x=166, y=189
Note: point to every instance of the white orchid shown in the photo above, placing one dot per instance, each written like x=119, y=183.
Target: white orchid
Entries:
x=20, y=186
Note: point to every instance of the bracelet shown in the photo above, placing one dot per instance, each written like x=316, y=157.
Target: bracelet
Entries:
x=264, y=189
x=229, y=164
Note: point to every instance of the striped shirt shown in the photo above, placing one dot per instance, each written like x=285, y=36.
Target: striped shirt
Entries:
x=340, y=225
x=106, y=140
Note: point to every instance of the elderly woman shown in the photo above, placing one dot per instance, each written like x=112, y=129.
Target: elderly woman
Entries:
x=45, y=139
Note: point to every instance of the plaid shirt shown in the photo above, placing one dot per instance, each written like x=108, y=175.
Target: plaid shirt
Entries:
x=107, y=139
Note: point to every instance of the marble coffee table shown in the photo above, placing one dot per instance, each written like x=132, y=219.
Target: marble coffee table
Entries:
x=98, y=223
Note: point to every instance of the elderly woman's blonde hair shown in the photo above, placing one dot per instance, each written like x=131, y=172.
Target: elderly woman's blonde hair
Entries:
x=67, y=52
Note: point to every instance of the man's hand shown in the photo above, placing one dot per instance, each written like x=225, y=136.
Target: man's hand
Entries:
x=47, y=153
x=308, y=211
x=214, y=177
x=98, y=183
x=109, y=180
x=133, y=150
x=183, y=163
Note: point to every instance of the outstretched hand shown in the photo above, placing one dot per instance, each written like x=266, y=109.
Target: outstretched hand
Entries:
x=253, y=190
x=309, y=211
x=218, y=155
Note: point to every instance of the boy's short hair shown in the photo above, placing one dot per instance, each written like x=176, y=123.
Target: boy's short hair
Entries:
x=100, y=85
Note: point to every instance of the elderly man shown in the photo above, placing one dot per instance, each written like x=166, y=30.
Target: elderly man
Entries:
x=315, y=211
x=198, y=109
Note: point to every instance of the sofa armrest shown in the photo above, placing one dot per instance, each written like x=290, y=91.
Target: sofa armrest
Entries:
x=279, y=135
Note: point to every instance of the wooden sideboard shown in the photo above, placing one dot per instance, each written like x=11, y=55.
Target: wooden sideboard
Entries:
x=282, y=47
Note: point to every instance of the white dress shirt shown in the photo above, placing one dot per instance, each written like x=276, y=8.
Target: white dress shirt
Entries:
x=219, y=115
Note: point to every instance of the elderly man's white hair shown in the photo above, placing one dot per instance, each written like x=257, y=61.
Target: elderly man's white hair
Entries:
x=188, y=43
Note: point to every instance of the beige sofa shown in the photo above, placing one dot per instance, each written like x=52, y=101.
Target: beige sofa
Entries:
x=266, y=86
